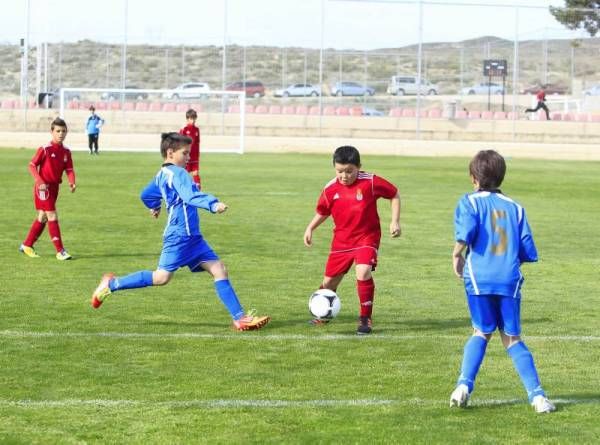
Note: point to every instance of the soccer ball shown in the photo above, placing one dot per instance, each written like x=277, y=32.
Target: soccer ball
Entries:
x=324, y=303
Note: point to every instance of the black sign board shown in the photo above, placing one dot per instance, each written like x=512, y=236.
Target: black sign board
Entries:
x=495, y=68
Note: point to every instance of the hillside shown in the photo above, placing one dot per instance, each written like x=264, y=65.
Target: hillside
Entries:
x=93, y=64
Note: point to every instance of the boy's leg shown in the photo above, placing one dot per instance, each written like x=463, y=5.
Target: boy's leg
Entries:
x=474, y=352
x=143, y=278
x=523, y=361
x=90, y=143
x=34, y=233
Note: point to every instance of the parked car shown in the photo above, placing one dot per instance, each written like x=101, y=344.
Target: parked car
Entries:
x=401, y=85
x=253, y=88
x=299, y=89
x=594, y=90
x=366, y=111
x=351, y=89
x=190, y=90
x=549, y=88
x=115, y=95
x=483, y=88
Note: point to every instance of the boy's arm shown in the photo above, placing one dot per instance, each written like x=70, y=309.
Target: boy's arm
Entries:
x=527, y=250
x=312, y=225
x=33, y=168
x=191, y=196
x=458, y=261
x=70, y=172
x=395, y=229
x=152, y=198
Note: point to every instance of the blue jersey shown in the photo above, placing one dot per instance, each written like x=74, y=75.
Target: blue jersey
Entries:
x=174, y=186
x=499, y=239
x=93, y=124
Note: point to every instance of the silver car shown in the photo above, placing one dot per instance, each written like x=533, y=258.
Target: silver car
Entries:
x=594, y=90
x=482, y=88
x=299, y=90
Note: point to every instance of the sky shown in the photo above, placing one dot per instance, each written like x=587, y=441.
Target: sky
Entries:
x=347, y=24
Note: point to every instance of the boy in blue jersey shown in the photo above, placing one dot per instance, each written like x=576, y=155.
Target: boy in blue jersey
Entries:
x=183, y=243
x=496, y=235
x=92, y=128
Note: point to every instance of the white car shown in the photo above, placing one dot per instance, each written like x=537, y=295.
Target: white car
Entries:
x=190, y=90
x=482, y=88
x=594, y=90
x=299, y=90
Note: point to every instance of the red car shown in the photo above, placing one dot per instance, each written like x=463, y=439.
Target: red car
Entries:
x=253, y=88
x=549, y=88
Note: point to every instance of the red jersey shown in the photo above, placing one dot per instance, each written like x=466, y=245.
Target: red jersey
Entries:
x=541, y=96
x=192, y=132
x=49, y=163
x=354, y=210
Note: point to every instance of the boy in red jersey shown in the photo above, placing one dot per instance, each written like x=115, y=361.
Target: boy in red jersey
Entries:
x=541, y=103
x=193, y=132
x=47, y=167
x=351, y=199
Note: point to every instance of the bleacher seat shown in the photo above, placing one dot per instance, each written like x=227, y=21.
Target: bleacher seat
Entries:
x=233, y=109
x=274, y=109
x=423, y=113
x=100, y=105
x=487, y=115
x=114, y=105
x=155, y=106
x=461, y=114
x=329, y=110
x=302, y=109
x=198, y=108
x=169, y=107
x=396, y=112
x=582, y=117
x=314, y=110
x=182, y=108
x=288, y=109
x=249, y=109
x=342, y=111
x=474, y=114
x=595, y=118
x=556, y=116
x=435, y=113
x=141, y=106
x=72, y=105
x=355, y=111
x=128, y=106
x=568, y=117
x=500, y=115
x=7, y=104
x=409, y=112
x=261, y=109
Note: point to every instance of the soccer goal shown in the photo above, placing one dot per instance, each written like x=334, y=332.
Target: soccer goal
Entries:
x=134, y=118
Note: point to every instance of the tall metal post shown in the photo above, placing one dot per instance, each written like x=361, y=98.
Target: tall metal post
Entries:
x=419, y=69
x=124, y=49
x=321, y=66
x=515, y=73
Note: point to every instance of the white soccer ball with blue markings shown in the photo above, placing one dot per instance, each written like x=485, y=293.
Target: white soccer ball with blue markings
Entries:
x=324, y=304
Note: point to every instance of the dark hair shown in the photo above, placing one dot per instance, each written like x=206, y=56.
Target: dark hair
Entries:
x=488, y=168
x=173, y=141
x=191, y=114
x=58, y=122
x=346, y=154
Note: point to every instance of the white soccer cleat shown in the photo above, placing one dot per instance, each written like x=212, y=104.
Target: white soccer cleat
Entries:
x=460, y=397
x=542, y=405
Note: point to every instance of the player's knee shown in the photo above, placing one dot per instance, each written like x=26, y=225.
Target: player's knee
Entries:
x=478, y=333
x=160, y=278
x=219, y=271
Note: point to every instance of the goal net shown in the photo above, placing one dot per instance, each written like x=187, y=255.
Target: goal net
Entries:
x=134, y=118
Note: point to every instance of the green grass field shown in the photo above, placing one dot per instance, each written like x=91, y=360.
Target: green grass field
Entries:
x=162, y=365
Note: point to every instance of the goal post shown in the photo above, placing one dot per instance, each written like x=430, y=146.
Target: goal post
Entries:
x=134, y=118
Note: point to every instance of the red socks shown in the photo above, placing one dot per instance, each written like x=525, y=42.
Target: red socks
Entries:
x=34, y=233
x=366, y=294
x=54, y=230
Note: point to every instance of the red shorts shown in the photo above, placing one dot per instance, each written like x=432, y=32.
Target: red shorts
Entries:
x=45, y=200
x=340, y=262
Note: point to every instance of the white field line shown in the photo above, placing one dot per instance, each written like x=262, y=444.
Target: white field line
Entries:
x=264, y=403
x=271, y=337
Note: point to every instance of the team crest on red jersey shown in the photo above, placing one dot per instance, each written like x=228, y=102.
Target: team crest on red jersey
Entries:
x=359, y=195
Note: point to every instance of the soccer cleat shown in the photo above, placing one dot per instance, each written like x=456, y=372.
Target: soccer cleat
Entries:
x=29, y=251
x=542, y=405
x=319, y=321
x=63, y=255
x=102, y=291
x=250, y=322
x=460, y=397
x=364, y=326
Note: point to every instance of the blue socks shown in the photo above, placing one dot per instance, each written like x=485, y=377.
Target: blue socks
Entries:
x=472, y=358
x=523, y=361
x=229, y=298
x=143, y=278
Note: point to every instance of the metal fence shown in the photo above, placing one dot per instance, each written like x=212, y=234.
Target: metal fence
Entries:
x=534, y=55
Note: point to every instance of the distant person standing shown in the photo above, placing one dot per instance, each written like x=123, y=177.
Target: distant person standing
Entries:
x=92, y=127
x=541, y=103
x=193, y=132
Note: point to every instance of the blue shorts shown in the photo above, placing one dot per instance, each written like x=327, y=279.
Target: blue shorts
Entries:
x=190, y=251
x=491, y=312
